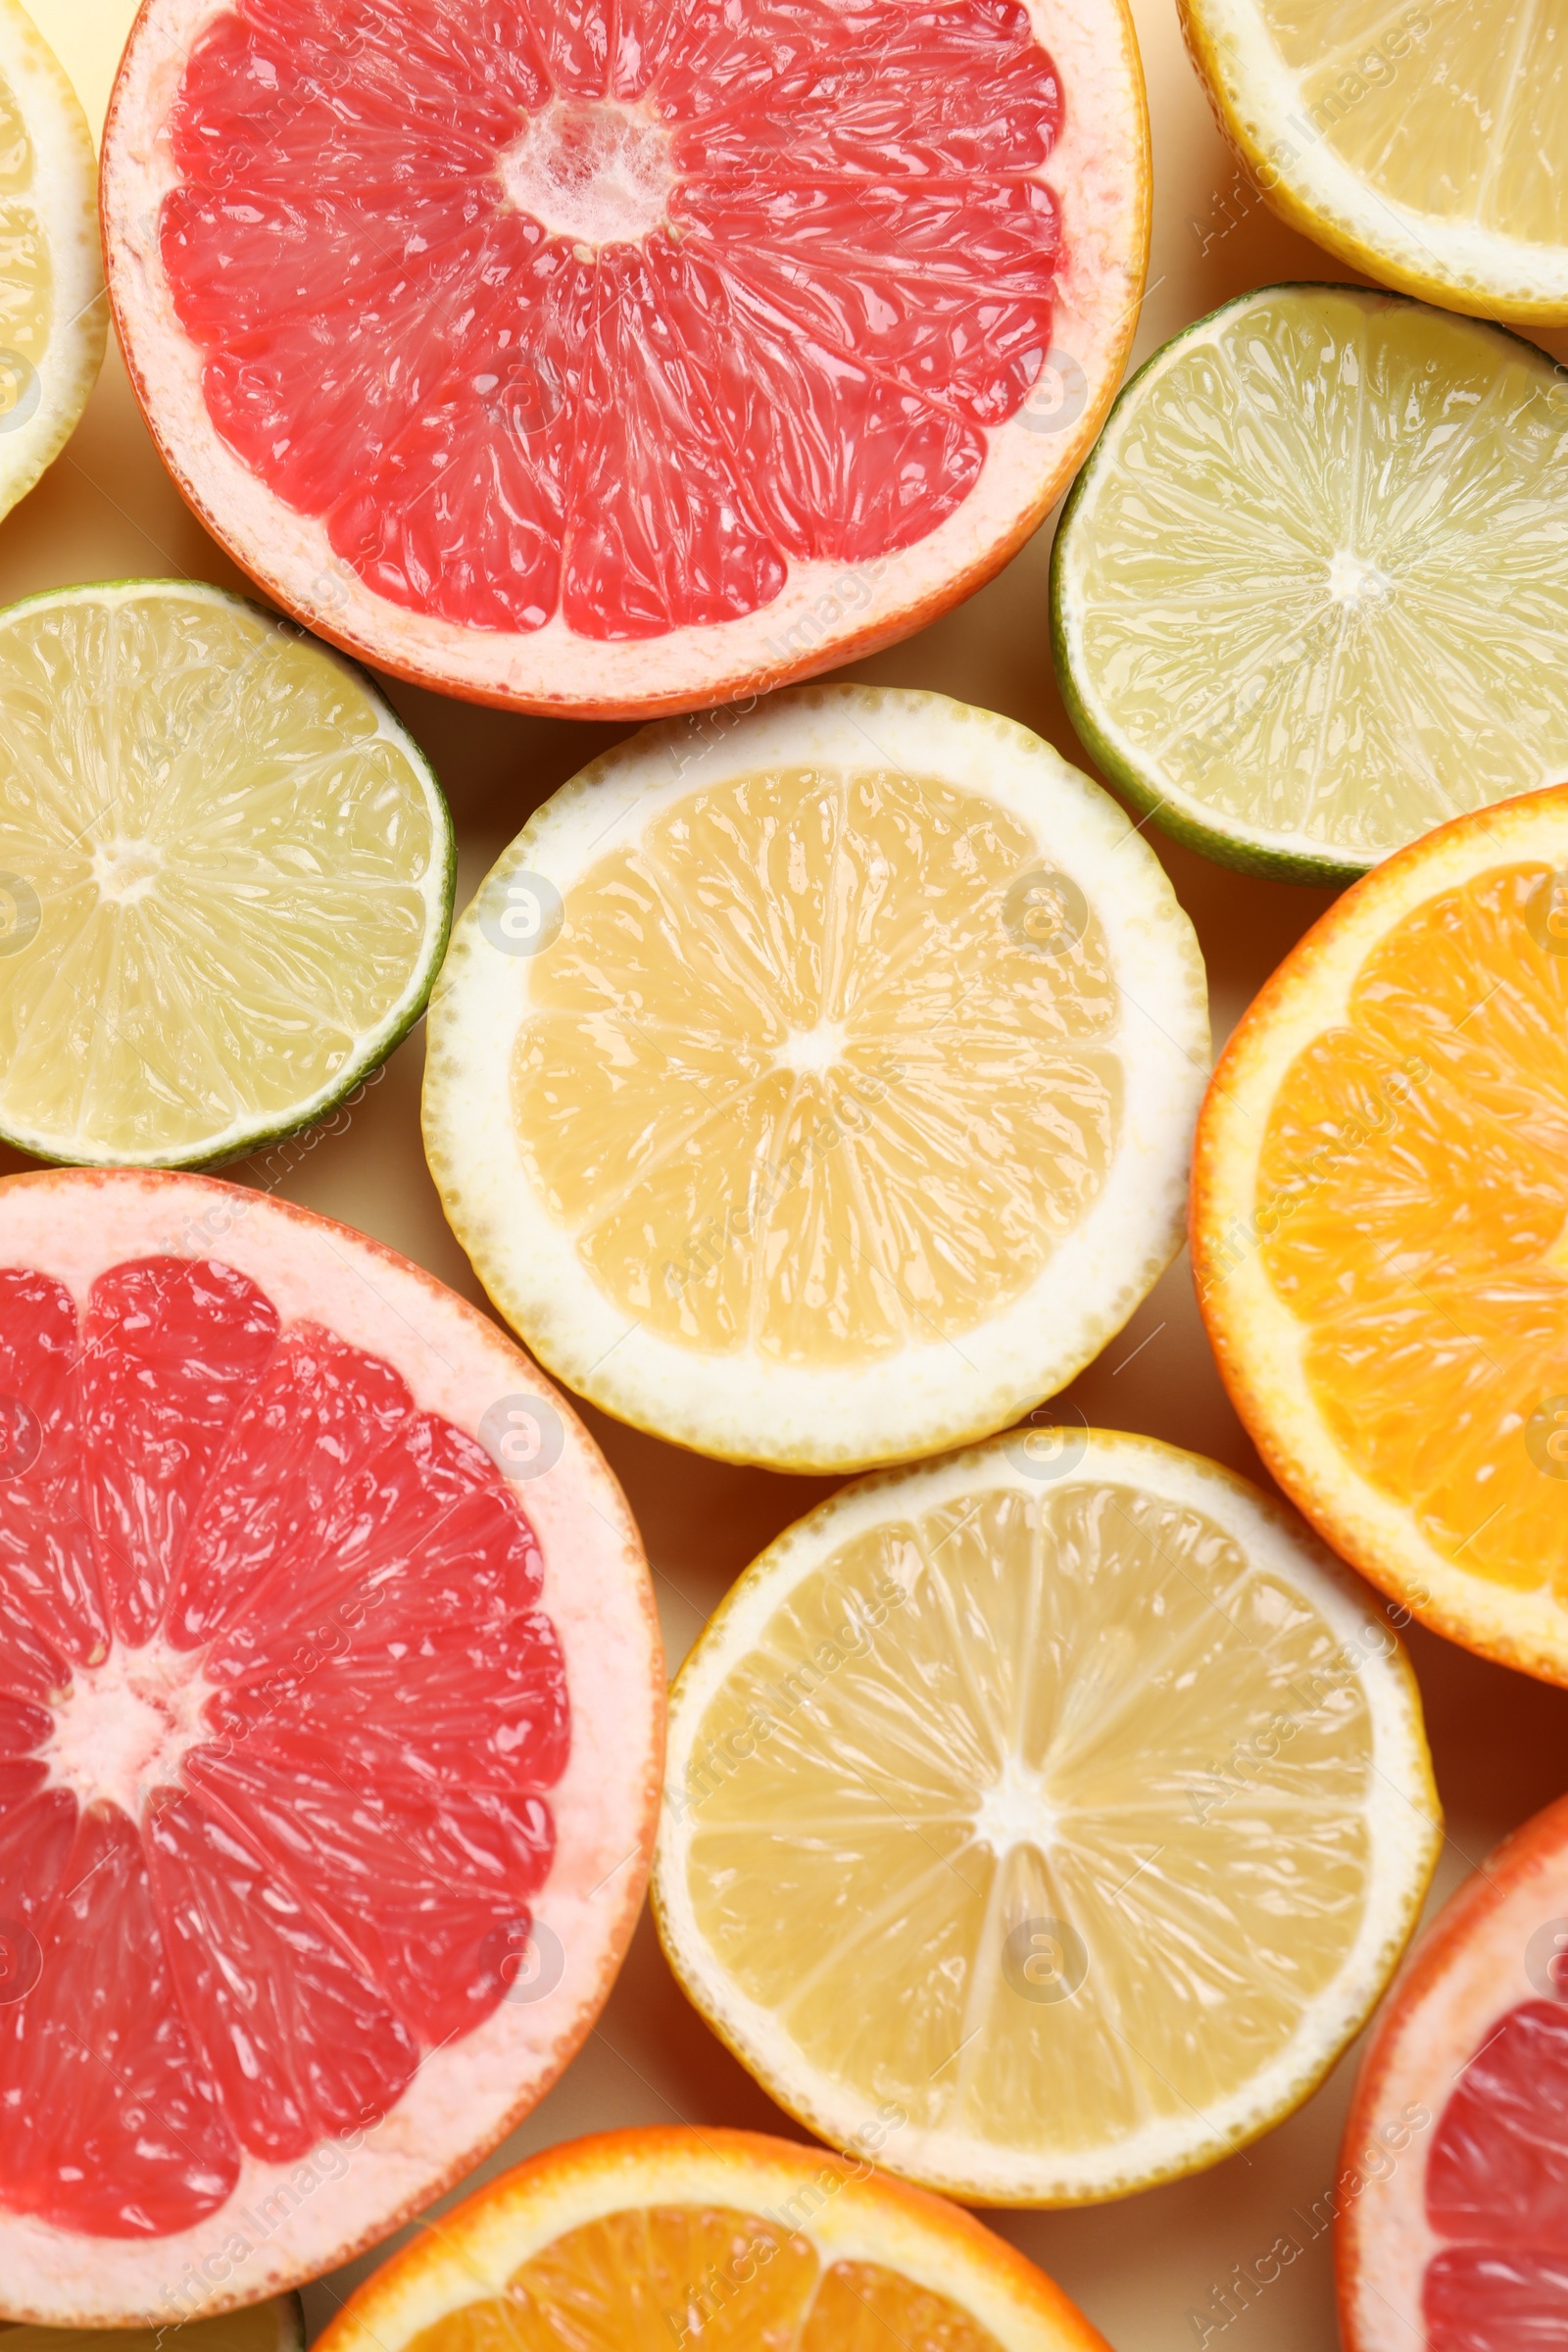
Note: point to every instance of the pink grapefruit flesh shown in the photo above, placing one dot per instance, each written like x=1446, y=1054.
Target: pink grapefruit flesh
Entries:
x=622, y=358
x=1453, y=2230
x=327, y=1747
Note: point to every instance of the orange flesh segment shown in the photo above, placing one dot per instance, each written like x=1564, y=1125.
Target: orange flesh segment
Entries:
x=708, y=2275
x=1410, y=1206
x=704, y=1093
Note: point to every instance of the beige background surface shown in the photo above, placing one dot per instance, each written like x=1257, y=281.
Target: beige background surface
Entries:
x=106, y=511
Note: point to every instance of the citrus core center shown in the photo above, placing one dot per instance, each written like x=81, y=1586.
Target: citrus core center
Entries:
x=125, y=871
x=600, y=175
x=1353, y=580
x=121, y=1727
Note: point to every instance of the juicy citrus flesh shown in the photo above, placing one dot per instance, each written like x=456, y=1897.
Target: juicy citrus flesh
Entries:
x=27, y=281
x=1059, y=1827
x=612, y=313
x=1464, y=120
x=1292, y=638
x=1411, y=1189
x=797, y=1077
x=1496, y=2188
x=278, y=1713
x=223, y=870
x=732, y=2279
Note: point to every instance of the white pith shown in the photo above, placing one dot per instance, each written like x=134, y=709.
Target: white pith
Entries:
x=1400, y=1819
x=1261, y=1344
x=1097, y=173
x=843, y=2217
x=64, y=197
x=1449, y=261
x=122, y=1726
x=299, y=2219
x=743, y=1405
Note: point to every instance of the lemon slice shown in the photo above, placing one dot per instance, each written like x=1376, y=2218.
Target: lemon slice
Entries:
x=1421, y=143
x=723, y=2240
x=1309, y=592
x=1063, y=1793
x=226, y=875
x=815, y=1086
x=1378, y=1232
x=53, y=316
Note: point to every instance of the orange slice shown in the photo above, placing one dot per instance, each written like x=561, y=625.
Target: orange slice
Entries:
x=721, y=2241
x=1453, y=2188
x=1377, y=1228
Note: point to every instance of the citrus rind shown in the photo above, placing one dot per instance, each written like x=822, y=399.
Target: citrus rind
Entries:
x=847, y=2212
x=1402, y=1812
x=62, y=193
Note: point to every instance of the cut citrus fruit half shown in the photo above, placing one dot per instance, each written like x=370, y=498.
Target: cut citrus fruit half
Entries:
x=54, y=318
x=330, y=1698
x=1455, y=2172
x=815, y=1088
x=718, y=2238
x=1378, y=1206
x=1063, y=1801
x=277, y=2325
x=622, y=358
x=1417, y=142
x=226, y=875
x=1268, y=631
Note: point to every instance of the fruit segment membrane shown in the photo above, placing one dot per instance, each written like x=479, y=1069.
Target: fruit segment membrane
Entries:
x=730, y=2281
x=279, y=1708
x=547, y=307
x=1410, y=1206
x=1059, y=1827
x=824, y=1065
x=1497, y=2189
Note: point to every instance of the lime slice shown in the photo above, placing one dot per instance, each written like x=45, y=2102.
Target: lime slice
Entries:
x=226, y=875
x=54, y=315
x=1310, y=594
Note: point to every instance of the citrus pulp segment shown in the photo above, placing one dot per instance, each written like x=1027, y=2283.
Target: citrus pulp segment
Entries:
x=722, y=2239
x=54, y=317
x=1421, y=144
x=226, y=875
x=621, y=359
x=1061, y=1798
x=329, y=1732
x=1454, y=2235
x=814, y=1087
x=1377, y=1203
x=1307, y=591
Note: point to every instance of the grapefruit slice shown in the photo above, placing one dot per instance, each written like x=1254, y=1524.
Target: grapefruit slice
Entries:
x=54, y=320
x=817, y=1088
x=331, y=1697
x=1377, y=1228
x=1061, y=1798
x=722, y=2239
x=617, y=360
x=1452, y=2194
